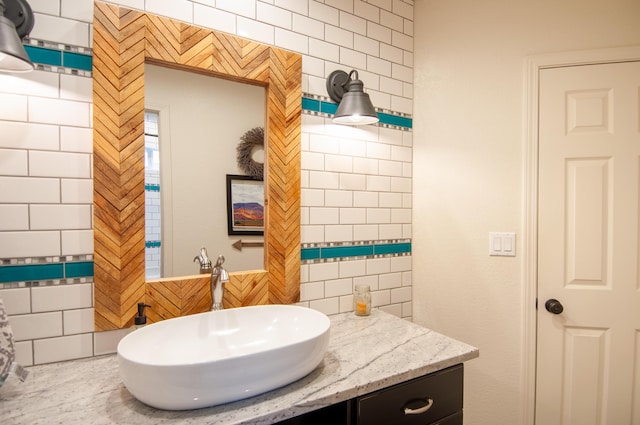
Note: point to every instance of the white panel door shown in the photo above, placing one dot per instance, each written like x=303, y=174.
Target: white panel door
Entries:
x=588, y=356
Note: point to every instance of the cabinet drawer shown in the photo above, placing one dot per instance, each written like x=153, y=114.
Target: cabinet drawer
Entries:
x=402, y=403
x=455, y=419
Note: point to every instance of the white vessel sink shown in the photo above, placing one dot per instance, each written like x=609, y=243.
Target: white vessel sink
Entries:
x=221, y=356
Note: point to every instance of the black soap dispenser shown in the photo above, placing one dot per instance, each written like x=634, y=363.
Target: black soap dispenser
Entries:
x=140, y=320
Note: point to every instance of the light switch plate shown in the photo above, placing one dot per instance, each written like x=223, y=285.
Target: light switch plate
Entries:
x=502, y=244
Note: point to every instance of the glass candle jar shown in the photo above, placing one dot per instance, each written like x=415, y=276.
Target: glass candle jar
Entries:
x=362, y=300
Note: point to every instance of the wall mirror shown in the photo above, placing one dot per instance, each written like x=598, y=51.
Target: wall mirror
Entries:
x=124, y=41
x=193, y=126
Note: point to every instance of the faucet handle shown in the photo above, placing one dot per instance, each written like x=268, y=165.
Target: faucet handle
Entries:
x=224, y=275
x=203, y=259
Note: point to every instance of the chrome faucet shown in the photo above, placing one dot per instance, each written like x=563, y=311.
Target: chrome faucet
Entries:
x=218, y=277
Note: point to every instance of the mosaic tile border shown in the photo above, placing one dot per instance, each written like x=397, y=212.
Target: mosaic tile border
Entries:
x=45, y=260
x=42, y=271
x=45, y=271
x=60, y=58
x=345, y=251
x=78, y=60
x=323, y=106
x=40, y=283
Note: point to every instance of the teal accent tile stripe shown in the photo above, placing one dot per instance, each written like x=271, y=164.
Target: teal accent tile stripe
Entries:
x=392, y=248
x=49, y=271
x=77, y=61
x=346, y=251
x=152, y=187
x=31, y=272
x=309, y=253
x=53, y=57
x=395, y=120
x=310, y=104
x=315, y=105
x=328, y=108
x=79, y=269
x=369, y=250
x=43, y=55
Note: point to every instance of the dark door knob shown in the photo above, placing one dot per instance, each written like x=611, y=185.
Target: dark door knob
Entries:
x=553, y=306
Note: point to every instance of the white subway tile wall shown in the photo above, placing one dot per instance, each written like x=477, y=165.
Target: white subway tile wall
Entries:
x=76, y=242
x=356, y=182
x=61, y=29
x=63, y=297
x=48, y=350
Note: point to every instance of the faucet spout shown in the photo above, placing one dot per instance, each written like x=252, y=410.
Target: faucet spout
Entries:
x=219, y=276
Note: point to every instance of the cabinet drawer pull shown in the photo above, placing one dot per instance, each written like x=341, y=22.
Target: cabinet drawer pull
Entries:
x=420, y=410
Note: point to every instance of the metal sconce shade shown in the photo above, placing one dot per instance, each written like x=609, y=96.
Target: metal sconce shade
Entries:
x=13, y=57
x=16, y=21
x=355, y=107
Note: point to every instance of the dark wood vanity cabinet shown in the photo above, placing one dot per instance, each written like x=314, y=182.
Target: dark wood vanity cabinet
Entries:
x=422, y=401
x=434, y=399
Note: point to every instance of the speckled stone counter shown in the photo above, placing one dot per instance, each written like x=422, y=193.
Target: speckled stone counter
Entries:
x=365, y=354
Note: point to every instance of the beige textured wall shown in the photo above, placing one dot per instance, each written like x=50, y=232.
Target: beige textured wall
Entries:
x=468, y=174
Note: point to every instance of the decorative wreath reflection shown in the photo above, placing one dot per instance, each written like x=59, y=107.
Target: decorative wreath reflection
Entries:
x=249, y=142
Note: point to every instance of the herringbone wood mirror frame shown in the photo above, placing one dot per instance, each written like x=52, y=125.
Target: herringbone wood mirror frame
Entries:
x=124, y=40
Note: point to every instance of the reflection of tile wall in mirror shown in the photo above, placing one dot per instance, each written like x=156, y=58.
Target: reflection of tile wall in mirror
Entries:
x=153, y=218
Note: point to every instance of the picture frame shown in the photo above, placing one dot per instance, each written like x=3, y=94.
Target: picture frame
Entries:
x=245, y=205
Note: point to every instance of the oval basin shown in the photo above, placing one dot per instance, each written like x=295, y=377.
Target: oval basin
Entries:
x=221, y=356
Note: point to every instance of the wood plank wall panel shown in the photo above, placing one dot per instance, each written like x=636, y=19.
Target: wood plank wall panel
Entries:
x=177, y=298
x=118, y=168
x=123, y=40
x=173, y=298
x=247, y=289
x=284, y=201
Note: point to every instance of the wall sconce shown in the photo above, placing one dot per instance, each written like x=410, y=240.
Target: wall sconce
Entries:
x=355, y=107
x=16, y=22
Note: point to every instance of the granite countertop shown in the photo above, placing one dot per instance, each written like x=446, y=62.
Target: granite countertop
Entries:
x=365, y=354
